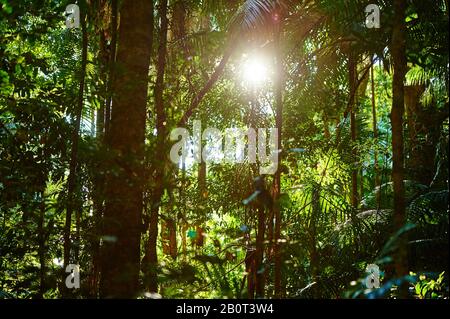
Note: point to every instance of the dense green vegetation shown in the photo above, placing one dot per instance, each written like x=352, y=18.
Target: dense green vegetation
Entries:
x=86, y=177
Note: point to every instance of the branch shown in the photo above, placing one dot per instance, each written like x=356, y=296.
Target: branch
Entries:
x=212, y=80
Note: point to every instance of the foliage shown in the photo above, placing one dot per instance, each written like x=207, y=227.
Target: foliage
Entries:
x=208, y=220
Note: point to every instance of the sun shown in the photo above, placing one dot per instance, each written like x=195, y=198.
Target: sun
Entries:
x=254, y=71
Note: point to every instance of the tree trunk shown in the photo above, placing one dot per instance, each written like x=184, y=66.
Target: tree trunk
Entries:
x=182, y=219
x=277, y=178
x=203, y=193
x=112, y=64
x=173, y=247
x=250, y=267
x=375, y=136
x=361, y=89
x=352, y=84
x=152, y=256
x=169, y=237
x=73, y=166
x=398, y=49
x=124, y=187
x=256, y=273
x=314, y=256
x=102, y=97
x=99, y=180
x=259, y=254
x=42, y=248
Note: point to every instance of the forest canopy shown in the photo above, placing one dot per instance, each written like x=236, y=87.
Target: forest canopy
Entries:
x=224, y=149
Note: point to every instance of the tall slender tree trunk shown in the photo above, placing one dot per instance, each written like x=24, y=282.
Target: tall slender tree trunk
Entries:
x=398, y=50
x=42, y=248
x=277, y=178
x=257, y=276
x=98, y=195
x=124, y=187
x=250, y=266
x=259, y=253
x=203, y=193
x=352, y=83
x=103, y=60
x=173, y=247
x=314, y=256
x=73, y=166
x=361, y=93
x=111, y=66
x=160, y=158
x=78, y=213
x=375, y=136
x=183, y=222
